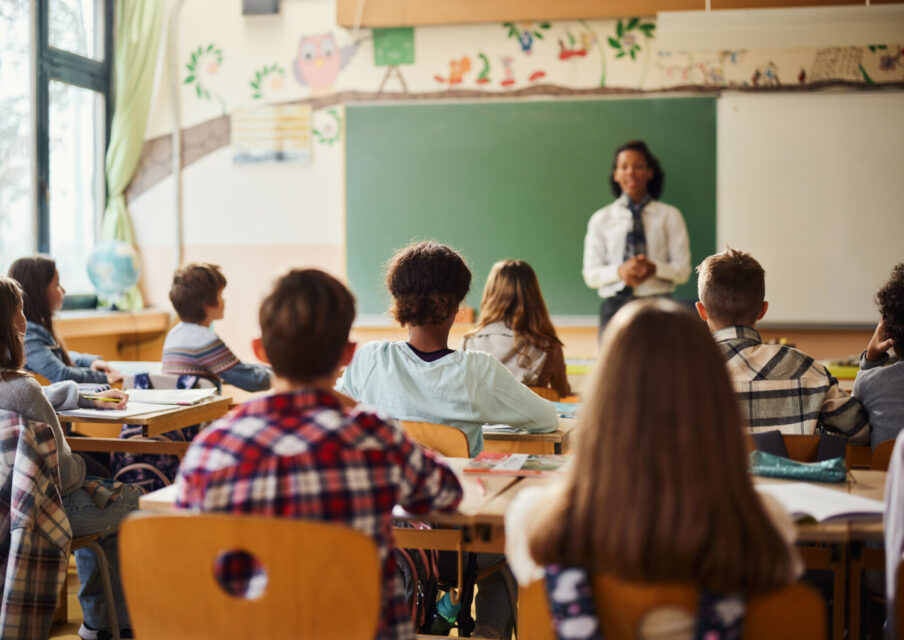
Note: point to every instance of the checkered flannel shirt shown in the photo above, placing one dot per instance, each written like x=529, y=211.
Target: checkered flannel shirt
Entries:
x=34, y=550
x=300, y=455
x=782, y=388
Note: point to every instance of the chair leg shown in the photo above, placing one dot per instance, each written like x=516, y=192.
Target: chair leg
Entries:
x=108, y=587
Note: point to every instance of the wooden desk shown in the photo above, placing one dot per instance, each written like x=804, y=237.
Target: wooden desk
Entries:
x=115, y=335
x=166, y=419
x=554, y=442
x=479, y=524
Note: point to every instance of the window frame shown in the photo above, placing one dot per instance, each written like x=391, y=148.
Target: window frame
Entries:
x=64, y=66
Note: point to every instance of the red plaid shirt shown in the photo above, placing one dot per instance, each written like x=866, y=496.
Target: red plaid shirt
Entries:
x=300, y=455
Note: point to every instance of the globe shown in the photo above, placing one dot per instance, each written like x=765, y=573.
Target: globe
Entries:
x=113, y=268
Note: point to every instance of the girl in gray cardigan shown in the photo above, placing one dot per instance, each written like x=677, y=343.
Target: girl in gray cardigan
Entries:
x=89, y=511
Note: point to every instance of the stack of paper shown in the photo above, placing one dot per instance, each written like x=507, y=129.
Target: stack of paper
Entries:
x=170, y=396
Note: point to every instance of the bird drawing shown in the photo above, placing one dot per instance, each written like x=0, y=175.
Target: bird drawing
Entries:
x=320, y=60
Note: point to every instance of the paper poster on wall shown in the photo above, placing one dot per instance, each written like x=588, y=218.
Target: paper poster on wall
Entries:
x=276, y=133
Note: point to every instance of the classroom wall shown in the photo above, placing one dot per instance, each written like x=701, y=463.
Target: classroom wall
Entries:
x=258, y=219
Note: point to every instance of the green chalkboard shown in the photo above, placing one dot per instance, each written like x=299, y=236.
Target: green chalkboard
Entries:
x=514, y=180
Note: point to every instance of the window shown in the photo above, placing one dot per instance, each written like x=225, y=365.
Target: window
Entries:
x=17, y=219
x=56, y=106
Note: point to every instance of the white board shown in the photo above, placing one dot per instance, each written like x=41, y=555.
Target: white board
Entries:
x=812, y=185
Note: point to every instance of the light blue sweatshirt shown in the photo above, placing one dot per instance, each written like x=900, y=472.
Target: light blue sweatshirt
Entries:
x=465, y=389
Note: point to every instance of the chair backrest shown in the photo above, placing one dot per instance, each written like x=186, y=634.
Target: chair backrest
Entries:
x=881, y=456
x=317, y=575
x=444, y=439
x=801, y=448
x=41, y=379
x=793, y=612
x=546, y=393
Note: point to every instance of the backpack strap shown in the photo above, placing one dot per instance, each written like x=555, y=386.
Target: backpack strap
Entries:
x=574, y=615
x=571, y=605
x=720, y=617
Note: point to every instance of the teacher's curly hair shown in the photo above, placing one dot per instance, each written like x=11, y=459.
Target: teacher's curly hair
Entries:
x=654, y=186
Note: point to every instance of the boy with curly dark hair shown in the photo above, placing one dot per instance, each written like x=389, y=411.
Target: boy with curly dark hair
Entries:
x=424, y=380
x=880, y=388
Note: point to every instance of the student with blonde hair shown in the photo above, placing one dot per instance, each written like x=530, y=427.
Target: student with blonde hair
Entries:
x=659, y=489
x=515, y=327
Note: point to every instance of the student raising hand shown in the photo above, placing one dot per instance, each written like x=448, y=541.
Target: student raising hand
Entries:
x=879, y=344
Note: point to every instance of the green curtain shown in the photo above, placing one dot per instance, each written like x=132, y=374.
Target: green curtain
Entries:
x=137, y=41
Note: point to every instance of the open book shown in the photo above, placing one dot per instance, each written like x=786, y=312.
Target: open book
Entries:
x=804, y=500
x=170, y=396
x=517, y=464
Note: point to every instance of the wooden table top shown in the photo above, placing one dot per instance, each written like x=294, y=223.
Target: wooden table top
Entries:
x=487, y=504
x=168, y=418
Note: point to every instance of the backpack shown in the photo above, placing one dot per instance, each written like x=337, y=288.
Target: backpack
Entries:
x=427, y=573
x=151, y=471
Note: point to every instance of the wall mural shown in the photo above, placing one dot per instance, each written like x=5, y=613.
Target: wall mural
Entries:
x=474, y=62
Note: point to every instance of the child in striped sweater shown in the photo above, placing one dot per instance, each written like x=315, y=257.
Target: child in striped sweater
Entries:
x=191, y=347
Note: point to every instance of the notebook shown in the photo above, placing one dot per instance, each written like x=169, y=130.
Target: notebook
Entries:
x=806, y=501
x=132, y=409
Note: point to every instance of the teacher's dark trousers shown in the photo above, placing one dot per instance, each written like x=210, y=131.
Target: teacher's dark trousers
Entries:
x=610, y=306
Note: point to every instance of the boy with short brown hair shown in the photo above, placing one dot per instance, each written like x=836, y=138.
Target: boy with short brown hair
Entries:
x=191, y=347
x=779, y=387
x=299, y=453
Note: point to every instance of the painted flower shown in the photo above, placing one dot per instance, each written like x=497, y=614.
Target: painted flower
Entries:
x=203, y=63
x=627, y=37
x=888, y=62
x=268, y=76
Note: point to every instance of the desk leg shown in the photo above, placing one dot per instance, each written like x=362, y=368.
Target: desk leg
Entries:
x=861, y=558
x=839, y=564
x=832, y=558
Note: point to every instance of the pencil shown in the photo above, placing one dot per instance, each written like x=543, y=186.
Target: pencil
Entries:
x=103, y=399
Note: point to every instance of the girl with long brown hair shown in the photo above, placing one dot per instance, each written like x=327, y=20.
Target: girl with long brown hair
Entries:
x=44, y=352
x=659, y=490
x=515, y=327
x=20, y=393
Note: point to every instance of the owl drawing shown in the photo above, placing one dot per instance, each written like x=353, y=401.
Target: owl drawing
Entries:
x=320, y=60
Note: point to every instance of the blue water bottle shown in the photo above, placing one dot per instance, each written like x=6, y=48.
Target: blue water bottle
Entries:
x=446, y=615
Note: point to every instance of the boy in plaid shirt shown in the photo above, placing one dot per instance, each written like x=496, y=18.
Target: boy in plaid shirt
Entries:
x=778, y=386
x=303, y=452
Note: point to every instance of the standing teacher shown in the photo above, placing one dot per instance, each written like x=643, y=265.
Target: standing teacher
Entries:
x=637, y=246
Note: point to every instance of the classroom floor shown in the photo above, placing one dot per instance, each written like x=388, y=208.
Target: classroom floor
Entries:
x=69, y=631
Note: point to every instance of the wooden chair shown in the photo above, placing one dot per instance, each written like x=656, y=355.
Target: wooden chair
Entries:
x=41, y=379
x=795, y=612
x=546, y=393
x=881, y=456
x=90, y=542
x=322, y=580
x=441, y=438
x=801, y=448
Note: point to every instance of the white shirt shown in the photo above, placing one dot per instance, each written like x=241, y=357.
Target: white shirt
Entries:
x=464, y=389
x=668, y=248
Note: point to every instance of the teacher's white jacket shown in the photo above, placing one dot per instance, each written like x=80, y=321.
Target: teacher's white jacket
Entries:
x=668, y=248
